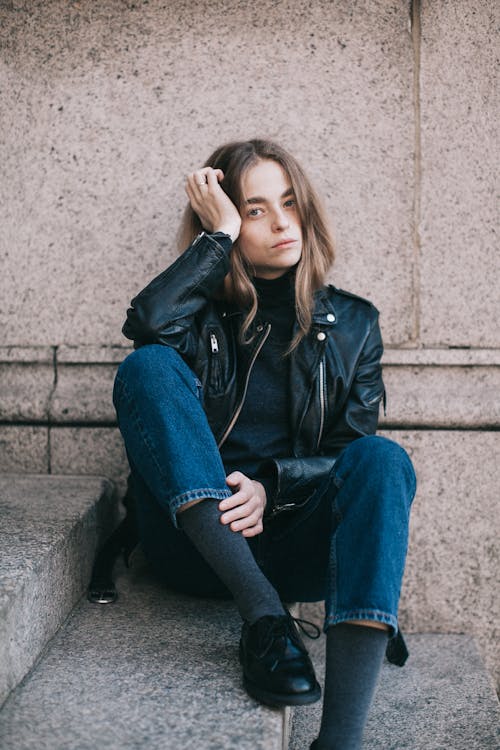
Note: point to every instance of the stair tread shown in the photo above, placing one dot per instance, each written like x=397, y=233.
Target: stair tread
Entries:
x=48, y=535
x=442, y=699
x=37, y=512
x=159, y=669
x=156, y=669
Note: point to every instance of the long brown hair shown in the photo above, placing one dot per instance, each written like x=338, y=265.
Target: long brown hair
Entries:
x=235, y=159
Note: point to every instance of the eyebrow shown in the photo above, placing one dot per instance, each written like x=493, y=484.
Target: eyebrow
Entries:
x=259, y=199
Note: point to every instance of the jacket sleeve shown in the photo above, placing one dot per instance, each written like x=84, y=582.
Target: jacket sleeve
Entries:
x=163, y=312
x=295, y=478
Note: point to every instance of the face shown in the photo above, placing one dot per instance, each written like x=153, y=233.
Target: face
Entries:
x=271, y=235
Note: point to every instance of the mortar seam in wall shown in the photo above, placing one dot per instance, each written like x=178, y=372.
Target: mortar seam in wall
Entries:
x=415, y=17
x=396, y=425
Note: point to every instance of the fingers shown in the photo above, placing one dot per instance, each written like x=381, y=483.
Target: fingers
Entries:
x=196, y=187
x=246, y=522
x=257, y=529
x=216, y=211
x=232, y=506
x=242, y=511
x=206, y=177
x=213, y=177
x=235, y=478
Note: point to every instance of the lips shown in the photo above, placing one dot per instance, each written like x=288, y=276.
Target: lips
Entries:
x=284, y=243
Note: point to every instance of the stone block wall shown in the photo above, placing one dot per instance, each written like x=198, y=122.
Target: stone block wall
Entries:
x=392, y=107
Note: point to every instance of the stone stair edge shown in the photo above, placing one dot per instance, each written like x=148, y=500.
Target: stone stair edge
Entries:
x=44, y=572
x=103, y=487
x=47, y=476
x=123, y=643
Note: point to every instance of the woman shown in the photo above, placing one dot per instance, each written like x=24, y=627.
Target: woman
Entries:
x=248, y=412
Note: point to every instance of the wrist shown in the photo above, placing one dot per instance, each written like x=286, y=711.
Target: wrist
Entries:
x=232, y=230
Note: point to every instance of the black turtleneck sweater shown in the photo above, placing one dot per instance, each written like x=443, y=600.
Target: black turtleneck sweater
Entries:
x=262, y=430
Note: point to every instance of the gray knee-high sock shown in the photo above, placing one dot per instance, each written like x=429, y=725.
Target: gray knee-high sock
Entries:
x=354, y=655
x=228, y=553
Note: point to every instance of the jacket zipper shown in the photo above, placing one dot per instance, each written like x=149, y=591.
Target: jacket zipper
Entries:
x=215, y=370
x=214, y=344
x=242, y=401
x=322, y=400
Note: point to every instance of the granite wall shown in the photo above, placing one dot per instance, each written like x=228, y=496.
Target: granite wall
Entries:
x=391, y=105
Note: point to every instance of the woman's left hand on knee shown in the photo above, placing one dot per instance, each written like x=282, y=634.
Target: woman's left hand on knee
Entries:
x=244, y=510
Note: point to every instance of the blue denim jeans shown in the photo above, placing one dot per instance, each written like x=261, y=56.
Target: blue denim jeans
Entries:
x=347, y=545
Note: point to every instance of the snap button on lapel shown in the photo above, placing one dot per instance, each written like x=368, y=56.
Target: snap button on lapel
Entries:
x=330, y=318
x=321, y=336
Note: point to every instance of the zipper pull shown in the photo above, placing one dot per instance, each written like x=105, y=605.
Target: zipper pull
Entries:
x=198, y=238
x=214, y=344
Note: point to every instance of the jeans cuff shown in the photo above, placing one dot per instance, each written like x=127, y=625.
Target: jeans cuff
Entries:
x=186, y=497
x=374, y=615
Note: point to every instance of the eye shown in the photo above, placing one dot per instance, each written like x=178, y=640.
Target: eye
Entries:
x=290, y=203
x=254, y=212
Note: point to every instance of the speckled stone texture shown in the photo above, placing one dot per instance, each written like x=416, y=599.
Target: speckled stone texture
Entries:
x=441, y=699
x=24, y=449
x=156, y=670
x=89, y=450
x=49, y=532
x=442, y=397
x=27, y=380
x=460, y=111
x=25, y=391
x=84, y=394
x=106, y=108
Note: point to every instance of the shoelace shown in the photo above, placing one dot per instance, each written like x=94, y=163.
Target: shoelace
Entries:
x=301, y=623
x=281, y=627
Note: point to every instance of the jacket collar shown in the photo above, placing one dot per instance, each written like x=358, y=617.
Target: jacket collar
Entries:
x=324, y=314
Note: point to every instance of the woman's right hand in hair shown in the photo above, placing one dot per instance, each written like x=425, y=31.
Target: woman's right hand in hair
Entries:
x=215, y=209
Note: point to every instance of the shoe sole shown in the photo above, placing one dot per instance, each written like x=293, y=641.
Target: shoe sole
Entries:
x=277, y=700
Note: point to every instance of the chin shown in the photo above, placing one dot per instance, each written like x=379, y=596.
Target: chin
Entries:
x=292, y=262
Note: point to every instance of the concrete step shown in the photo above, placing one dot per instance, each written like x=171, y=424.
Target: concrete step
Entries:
x=442, y=699
x=159, y=670
x=154, y=670
x=50, y=527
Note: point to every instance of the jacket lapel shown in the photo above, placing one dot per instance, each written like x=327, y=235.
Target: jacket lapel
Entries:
x=304, y=365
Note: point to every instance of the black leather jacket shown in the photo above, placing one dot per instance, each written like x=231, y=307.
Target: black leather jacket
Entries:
x=335, y=374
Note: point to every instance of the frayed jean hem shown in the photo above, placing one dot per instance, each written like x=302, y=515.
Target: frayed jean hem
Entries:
x=186, y=497
x=374, y=615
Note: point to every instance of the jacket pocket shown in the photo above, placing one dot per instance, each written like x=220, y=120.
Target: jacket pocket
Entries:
x=284, y=521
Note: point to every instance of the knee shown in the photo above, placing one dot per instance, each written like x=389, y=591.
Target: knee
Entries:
x=149, y=369
x=377, y=449
x=375, y=454
x=147, y=360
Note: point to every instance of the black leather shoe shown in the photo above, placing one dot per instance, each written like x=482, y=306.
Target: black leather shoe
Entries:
x=277, y=669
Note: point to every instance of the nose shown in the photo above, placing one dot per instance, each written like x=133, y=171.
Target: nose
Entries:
x=280, y=220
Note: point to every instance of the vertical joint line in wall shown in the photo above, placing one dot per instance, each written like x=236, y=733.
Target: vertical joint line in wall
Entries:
x=415, y=25
x=49, y=410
